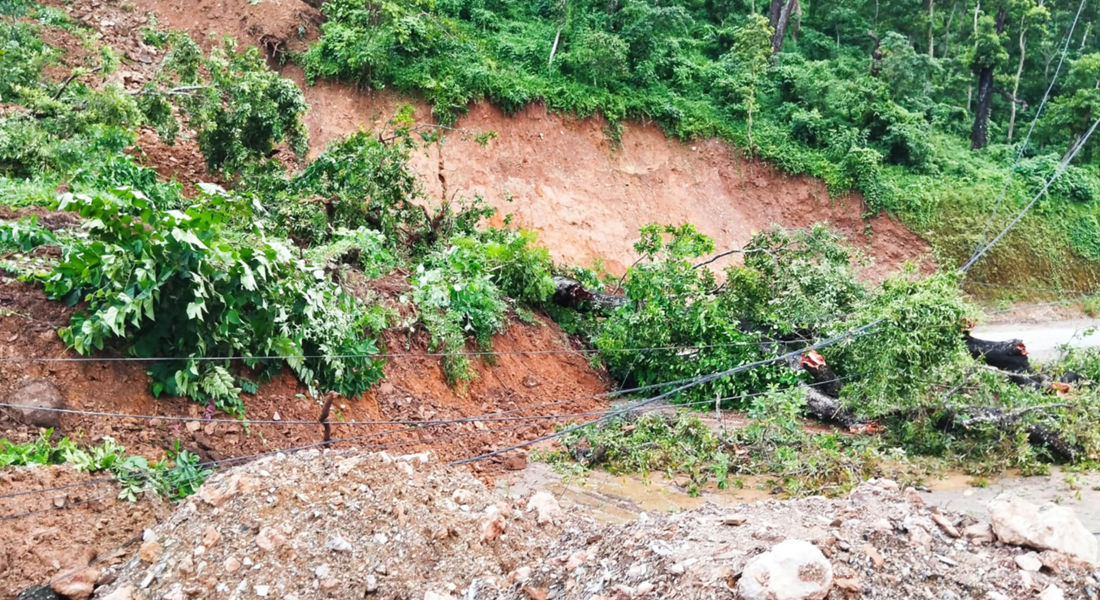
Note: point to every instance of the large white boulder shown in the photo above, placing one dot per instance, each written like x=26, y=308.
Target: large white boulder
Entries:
x=1047, y=527
x=791, y=570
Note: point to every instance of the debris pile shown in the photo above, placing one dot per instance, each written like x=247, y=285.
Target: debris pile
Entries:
x=336, y=524
x=879, y=542
x=345, y=524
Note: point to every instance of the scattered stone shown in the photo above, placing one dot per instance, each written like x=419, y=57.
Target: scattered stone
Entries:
x=848, y=584
x=149, y=552
x=371, y=584
x=791, y=570
x=874, y=555
x=39, y=592
x=269, y=539
x=645, y=588
x=494, y=526
x=515, y=460
x=979, y=533
x=1052, y=592
x=1047, y=527
x=211, y=537
x=736, y=519
x=947, y=527
x=125, y=592
x=545, y=506
x=329, y=584
x=77, y=586
x=520, y=575
x=35, y=397
x=262, y=590
x=338, y=544
x=232, y=564
x=1029, y=562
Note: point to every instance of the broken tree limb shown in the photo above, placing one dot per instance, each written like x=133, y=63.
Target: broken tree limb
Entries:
x=824, y=379
x=829, y=410
x=1009, y=355
x=1037, y=433
x=570, y=293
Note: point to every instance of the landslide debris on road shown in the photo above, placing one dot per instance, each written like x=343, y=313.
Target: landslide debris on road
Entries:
x=345, y=524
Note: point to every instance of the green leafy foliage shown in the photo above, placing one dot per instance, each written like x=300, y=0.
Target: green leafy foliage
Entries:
x=239, y=108
x=177, y=476
x=183, y=284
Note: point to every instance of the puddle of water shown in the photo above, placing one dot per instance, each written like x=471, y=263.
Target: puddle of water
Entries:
x=621, y=498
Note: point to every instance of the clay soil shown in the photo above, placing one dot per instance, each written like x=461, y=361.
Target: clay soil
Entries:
x=66, y=529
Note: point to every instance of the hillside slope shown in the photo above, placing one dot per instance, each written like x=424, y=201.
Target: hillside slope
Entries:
x=558, y=175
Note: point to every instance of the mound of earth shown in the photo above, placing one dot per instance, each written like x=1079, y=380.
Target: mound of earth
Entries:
x=346, y=524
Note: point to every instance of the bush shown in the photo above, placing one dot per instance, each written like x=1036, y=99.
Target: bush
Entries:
x=184, y=285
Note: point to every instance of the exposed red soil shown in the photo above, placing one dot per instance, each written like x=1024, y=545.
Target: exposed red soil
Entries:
x=563, y=178
x=414, y=388
x=68, y=529
x=182, y=161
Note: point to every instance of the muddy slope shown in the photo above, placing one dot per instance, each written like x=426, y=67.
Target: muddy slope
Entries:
x=558, y=175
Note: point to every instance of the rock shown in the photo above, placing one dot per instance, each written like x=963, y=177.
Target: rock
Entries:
x=545, y=505
x=791, y=570
x=1029, y=562
x=218, y=490
x=515, y=461
x=79, y=585
x=437, y=596
x=979, y=533
x=262, y=590
x=35, y=397
x=947, y=526
x=874, y=555
x=149, y=552
x=848, y=584
x=175, y=593
x=232, y=564
x=125, y=592
x=371, y=584
x=645, y=588
x=623, y=592
x=493, y=527
x=736, y=519
x=329, y=584
x=338, y=544
x=269, y=539
x=186, y=565
x=520, y=575
x=38, y=592
x=1052, y=592
x=211, y=537
x=1047, y=527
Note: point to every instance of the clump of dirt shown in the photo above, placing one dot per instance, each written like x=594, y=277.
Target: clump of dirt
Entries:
x=182, y=161
x=335, y=524
x=47, y=536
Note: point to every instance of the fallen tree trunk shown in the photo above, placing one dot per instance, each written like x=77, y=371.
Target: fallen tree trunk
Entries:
x=570, y=293
x=829, y=410
x=1037, y=433
x=1010, y=355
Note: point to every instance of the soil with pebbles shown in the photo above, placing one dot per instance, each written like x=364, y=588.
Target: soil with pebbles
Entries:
x=345, y=524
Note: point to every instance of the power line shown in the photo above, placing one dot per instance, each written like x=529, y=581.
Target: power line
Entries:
x=1023, y=145
x=384, y=355
x=858, y=331
x=1061, y=169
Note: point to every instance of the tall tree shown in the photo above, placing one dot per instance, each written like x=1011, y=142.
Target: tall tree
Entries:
x=779, y=18
x=988, y=53
x=1033, y=17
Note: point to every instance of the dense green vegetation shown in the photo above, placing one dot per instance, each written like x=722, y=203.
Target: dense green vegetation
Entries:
x=882, y=97
x=225, y=286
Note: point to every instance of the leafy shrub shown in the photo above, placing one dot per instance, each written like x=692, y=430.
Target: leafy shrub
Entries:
x=239, y=107
x=24, y=235
x=185, y=285
x=175, y=478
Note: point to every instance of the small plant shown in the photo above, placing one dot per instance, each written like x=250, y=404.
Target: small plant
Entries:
x=177, y=476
